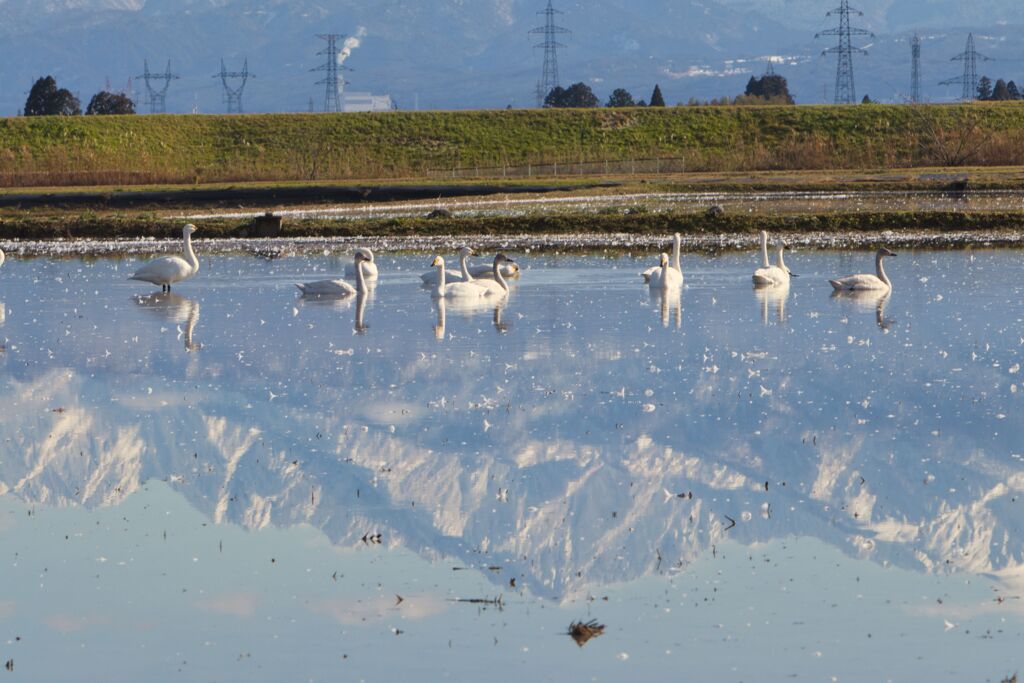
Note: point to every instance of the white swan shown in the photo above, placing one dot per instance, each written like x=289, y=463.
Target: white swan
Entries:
x=769, y=275
x=369, y=266
x=655, y=271
x=167, y=270
x=867, y=281
x=3, y=257
x=431, y=277
x=509, y=270
x=496, y=284
x=666, y=278
x=338, y=287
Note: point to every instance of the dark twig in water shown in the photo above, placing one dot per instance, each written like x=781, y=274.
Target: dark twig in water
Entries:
x=732, y=522
x=498, y=602
x=582, y=632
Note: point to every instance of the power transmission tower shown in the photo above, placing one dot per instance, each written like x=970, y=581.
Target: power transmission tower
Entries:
x=969, y=79
x=844, y=49
x=915, y=70
x=156, y=97
x=233, y=95
x=550, y=31
x=333, y=82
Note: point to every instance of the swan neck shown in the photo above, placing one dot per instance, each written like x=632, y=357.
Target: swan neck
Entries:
x=782, y=262
x=880, y=267
x=360, y=278
x=440, y=278
x=764, y=249
x=499, y=278
x=675, y=253
x=664, y=278
x=464, y=264
x=190, y=256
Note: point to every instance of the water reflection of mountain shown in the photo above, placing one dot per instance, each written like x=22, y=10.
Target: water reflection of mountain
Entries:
x=564, y=449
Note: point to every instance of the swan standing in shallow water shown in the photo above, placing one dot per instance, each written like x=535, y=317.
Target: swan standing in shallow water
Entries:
x=655, y=271
x=768, y=275
x=369, y=267
x=339, y=287
x=431, y=277
x=167, y=270
x=666, y=278
x=867, y=281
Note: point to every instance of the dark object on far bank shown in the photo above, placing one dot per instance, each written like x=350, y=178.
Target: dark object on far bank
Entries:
x=46, y=99
x=439, y=213
x=267, y=225
x=714, y=211
x=958, y=185
x=582, y=632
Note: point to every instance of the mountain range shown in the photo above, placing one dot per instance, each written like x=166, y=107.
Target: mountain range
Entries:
x=455, y=54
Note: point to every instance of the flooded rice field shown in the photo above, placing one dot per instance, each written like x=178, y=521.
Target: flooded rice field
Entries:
x=761, y=202
x=583, y=482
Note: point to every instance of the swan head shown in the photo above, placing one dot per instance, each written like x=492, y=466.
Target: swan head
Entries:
x=664, y=260
x=884, y=252
x=365, y=253
x=438, y=262
x=502, y=259
x=189, y=229
x=466, y=251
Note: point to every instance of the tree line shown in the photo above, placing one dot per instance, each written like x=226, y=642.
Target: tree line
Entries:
x=767, y=89
x=999, y=91
x=46, y=99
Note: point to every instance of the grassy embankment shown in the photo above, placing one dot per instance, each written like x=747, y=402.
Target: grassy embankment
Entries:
x=174, y=149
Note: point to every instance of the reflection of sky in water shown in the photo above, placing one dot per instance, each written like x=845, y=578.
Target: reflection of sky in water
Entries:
x=548, y=441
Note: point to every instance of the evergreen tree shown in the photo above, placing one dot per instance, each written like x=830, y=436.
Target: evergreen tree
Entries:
x=1001, y=91
x=769, y=87
x=46, y=99
x=984, y=88
x=110, y=103
x=867, y=100
x=621, y=98
x=1011, y=88
x=656, y=99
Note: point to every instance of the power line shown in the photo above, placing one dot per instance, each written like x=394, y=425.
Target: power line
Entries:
x=550, y=31
x=969, y=78
x=156, y=96
x=915, y=70
x=333, y=81
x=845, y=91
x=233, y=94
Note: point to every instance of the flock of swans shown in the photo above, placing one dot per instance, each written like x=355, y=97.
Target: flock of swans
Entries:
x=472, y=286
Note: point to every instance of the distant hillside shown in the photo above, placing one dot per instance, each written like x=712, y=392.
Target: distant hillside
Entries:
x=192, y=149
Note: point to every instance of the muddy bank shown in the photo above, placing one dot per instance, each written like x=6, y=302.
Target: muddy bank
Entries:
x=270, y=196
x=561, y=232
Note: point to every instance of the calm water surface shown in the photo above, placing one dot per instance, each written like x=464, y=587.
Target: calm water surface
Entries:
x=231, y=483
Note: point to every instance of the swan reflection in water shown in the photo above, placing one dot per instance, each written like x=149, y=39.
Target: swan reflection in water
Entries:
x=868, y=299
x=469, y=308
x=176, y=309
x=772, y=297
x=342, y=302
x=670, y=303
x=3, y=313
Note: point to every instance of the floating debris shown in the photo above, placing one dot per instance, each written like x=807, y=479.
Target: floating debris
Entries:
x=582, y=632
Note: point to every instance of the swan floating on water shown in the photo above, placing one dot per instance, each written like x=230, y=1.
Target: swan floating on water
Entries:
x=510, y=269
x=339, y=287
x=167, y=270
x=3, y=257
x=666, y=278
x=472, y=288
x=867, y=281
x=768, y=275
x=369, y=266
x=431, y=277
x=655, y=271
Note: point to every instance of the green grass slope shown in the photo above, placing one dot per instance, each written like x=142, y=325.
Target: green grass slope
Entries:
x=435, y=145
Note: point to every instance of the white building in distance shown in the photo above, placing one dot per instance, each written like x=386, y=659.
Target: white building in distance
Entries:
x=364, y=101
